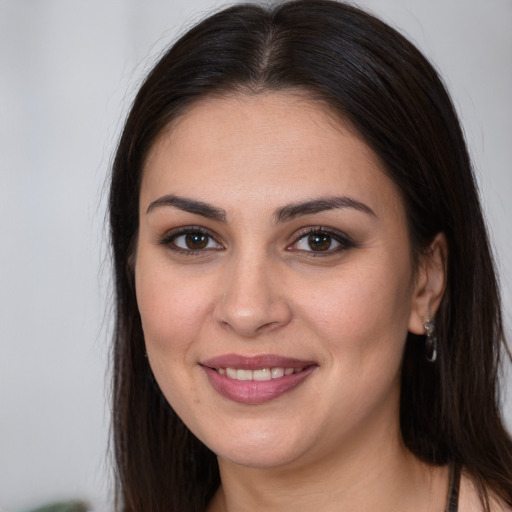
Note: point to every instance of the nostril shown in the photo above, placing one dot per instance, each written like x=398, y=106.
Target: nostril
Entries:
x=250, y=322
x=268, y=326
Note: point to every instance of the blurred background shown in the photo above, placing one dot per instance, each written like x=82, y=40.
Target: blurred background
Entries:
x=69, y=70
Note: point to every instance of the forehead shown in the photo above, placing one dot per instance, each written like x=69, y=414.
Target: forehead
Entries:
x=272, y=118
x=278, y=146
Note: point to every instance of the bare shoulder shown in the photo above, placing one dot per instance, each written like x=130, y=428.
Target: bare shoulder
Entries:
x=469, y=500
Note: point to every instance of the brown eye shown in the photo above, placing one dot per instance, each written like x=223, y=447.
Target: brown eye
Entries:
x=192, y=241
x=196, y=241
x=319, y=241
x=322, y=240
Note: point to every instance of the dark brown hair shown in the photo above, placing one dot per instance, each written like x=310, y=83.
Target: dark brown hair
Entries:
x=369, y=74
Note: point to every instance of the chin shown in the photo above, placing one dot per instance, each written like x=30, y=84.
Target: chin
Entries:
x=262, y=448
x=260, y=458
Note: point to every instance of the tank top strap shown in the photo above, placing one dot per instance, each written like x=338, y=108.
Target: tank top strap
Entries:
x=452, y=504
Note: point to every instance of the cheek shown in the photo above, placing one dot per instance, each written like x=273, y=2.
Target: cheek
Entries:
x=172, y=308
x=172, y=312
x=362, y=311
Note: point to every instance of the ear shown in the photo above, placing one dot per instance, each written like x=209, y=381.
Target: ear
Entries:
x=429, y=285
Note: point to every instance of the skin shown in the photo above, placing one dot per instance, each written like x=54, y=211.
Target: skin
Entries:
x=258, y=287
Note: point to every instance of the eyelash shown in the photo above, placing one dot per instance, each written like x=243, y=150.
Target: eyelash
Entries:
x=344, y=241
x=170, y=239
x=341, y=238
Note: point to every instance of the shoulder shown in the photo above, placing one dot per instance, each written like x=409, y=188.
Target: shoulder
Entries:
x=469, y=499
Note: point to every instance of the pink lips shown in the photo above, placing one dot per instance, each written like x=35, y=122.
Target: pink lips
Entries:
x=256, y=391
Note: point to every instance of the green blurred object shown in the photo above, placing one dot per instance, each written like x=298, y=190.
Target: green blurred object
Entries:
x=65, y=506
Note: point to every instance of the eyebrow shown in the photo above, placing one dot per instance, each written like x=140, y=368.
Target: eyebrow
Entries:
x=292, y=211
x=283, y=214
x=189, y=205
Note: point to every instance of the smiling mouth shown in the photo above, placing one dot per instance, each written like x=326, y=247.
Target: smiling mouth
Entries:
x=258, y=379
x=261, y=374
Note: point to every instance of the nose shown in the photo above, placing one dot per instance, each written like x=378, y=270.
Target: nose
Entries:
x=253, y=299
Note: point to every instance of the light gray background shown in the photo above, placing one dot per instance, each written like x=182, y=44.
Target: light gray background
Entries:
x=68, y=71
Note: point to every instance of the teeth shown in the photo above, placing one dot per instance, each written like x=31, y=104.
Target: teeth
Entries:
x=277, y=372
x=263, y=374
x=244, y=375
x=260, y=374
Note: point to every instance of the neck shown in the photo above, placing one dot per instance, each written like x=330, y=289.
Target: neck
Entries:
x=371, y=476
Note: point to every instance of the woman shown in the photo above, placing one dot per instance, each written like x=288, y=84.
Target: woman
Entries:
x=307, y=310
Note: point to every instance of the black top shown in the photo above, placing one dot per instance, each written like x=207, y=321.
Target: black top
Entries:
x=453, y=490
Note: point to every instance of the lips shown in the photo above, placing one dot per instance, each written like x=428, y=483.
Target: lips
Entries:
x=255, y=380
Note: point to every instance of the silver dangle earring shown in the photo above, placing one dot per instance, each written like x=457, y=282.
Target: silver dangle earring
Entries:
x=431, y=341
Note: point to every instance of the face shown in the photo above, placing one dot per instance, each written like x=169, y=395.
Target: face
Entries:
x=274, y=280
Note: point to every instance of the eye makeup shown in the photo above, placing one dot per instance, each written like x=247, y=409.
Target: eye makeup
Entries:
x=321, y=241
x=316, y=241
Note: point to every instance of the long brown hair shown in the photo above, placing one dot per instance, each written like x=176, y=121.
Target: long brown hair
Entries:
x=371, y=75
